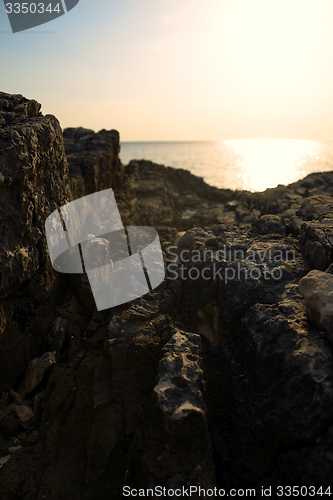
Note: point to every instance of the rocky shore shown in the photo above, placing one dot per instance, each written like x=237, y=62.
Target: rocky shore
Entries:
x=220, y=377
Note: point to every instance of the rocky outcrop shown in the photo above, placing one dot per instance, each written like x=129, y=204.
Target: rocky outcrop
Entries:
x=33, y=183
x=93, y=160
x=220, y=377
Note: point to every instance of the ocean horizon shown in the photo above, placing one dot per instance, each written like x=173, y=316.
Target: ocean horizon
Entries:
x=251, y=164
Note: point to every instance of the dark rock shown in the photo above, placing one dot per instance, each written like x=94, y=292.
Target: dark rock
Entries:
x=93, y=160
x=34, y=171
x=316, y=287
x=269, y=224
x=175, y=448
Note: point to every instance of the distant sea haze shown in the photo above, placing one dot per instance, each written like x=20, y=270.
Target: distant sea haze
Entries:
x=252, y=164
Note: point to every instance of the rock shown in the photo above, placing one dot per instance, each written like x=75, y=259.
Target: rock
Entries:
x=32, y=438
x=315, y=226
x=316, y=206
x=141, y=311
x=14, y=449
x=29, y=200
x=93, y=159
x=316, y=239
x=268, y=224
x=34, y=174
x=177, y=448
x=16, y=397
x=22, y=411
x=4, y=460
x=57, y=334
x=74, y=305
x=35, y=372
x=317, y=289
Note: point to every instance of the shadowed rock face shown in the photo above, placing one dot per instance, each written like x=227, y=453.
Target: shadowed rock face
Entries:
x=93, y=160
x=222, y=376
x=33, y=183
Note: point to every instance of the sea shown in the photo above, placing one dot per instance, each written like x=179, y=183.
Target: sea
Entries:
x=252, y=164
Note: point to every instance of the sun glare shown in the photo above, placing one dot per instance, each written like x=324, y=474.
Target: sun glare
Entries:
x=272, y=59
x=268, y=162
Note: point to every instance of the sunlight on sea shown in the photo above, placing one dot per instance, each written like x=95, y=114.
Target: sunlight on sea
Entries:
x=266, y=163
x=252, y=164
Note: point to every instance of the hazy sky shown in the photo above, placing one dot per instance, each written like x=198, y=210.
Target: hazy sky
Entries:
x=180, y=69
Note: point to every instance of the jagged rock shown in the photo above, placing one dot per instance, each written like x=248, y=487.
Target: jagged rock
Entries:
x=29, y=192
x=317, y=289
x=93, y=159
x=269, y=224
x=316, y=206
x=176, y=450
x=141, y=311
x=316, y=239
x=34, y=173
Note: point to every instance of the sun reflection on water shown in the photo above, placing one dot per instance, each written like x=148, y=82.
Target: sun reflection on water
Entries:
x=263, y=163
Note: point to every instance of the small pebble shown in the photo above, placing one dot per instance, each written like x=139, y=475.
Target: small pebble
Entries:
x=23, y=436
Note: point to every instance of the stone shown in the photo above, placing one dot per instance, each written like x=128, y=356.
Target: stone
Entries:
x=32, y=438
x=269, y=224
x=176, y=452
x=14, y=449
x=141, y=311
x=316, y=206
x=35, y=372
x=317, y=289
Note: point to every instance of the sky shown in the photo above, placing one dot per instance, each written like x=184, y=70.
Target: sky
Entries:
x=180, y=70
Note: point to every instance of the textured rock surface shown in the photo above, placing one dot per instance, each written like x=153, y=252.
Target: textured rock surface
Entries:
x=93, y=160
x=216, y=378
x=33, y=183
x=174, y=446
x=34, y=174
x=317, y=289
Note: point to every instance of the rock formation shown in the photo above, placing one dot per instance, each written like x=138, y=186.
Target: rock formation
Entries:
x=220, y=377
